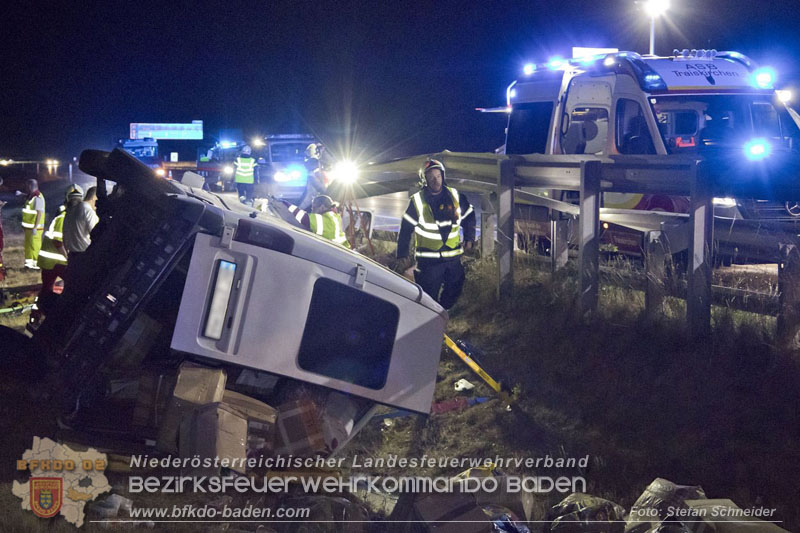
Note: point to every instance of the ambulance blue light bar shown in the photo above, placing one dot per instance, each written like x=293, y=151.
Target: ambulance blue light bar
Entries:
x=764, y=78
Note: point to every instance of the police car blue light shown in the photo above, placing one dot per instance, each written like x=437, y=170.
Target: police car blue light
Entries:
x=757, y=149
x=556, y=63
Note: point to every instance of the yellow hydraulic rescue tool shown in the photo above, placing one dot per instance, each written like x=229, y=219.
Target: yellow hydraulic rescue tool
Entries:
x=495, y=385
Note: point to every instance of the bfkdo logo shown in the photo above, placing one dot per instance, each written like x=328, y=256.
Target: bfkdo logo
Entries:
x=46, y=495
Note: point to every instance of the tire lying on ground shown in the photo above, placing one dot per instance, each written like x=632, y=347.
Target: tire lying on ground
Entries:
x=18, y=358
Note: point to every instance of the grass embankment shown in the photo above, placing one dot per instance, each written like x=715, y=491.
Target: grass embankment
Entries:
x=634, y=394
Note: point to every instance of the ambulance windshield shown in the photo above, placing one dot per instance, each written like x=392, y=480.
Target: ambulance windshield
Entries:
x=690, y=123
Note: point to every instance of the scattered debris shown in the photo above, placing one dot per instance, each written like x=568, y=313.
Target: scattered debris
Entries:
x=660, y=497
x=111, y=507
x=456, y=404
x=463, y=385
x=584, y=513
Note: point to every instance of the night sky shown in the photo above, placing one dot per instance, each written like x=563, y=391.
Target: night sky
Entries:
x=375, y=78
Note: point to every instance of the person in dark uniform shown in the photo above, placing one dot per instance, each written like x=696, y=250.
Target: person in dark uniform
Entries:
x=436, y=217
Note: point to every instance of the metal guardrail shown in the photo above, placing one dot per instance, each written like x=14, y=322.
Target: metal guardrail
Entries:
x=501, y=177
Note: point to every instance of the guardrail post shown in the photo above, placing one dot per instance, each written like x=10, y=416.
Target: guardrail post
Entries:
x=559, y=241
x=488, y=226
x=701, y=235
x=789, y=296
x=655, y=269
x=505, y=228
x=589, y=223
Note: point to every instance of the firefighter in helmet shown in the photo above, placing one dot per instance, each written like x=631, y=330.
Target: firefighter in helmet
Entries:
x=324, y=219
x=436, y=216
x=245, y=175
x=315, y=166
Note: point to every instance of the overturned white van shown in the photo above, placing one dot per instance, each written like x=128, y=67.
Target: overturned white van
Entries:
x=232, y=287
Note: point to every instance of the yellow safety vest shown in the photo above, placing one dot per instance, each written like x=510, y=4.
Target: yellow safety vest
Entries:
x=329, y=226
x=245, y=170
x=426, y=228
x=29, y=214
x=49, y=256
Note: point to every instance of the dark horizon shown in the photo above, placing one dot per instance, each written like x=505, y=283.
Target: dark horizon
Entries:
x=376, y=80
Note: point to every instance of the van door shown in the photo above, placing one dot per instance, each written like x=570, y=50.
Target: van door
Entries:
x=585, y=116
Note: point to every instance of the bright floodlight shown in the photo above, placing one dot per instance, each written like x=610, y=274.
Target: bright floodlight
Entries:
x=785, y=95
x=258, y=143
x=529, y=69
x=227, y=170
x=756, y=149
x=656, y=8
x=345, y=172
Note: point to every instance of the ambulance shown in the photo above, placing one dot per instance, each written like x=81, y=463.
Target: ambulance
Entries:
x=699, y=103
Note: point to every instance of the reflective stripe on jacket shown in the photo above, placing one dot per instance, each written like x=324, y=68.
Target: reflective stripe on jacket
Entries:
x=245, y=170
x=49, y=255
x=29, y=214
x=428, y=229
x=328, y=225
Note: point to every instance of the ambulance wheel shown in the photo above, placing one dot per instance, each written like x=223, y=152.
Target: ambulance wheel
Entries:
x=18, y=357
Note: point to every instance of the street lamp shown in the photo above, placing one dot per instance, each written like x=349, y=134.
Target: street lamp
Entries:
x=654, y=9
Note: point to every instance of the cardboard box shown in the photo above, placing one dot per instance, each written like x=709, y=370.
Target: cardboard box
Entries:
x=177, y=411
x=338, y=419
x=215, y=430
x=261, y=419
x=152, y=398
x=195, y=386
x=256, y=383
x=300, y=429
x=199, y=384
x=452, y=513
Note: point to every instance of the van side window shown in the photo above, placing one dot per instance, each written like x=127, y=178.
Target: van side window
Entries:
x=528, y=126
x=349, y=335
x=586, y=132
x=633, y=136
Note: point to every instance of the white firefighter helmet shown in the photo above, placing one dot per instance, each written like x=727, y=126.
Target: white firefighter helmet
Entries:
x=313, y=151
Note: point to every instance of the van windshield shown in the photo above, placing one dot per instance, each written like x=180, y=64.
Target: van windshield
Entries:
x=689, y=123
x=284, y=152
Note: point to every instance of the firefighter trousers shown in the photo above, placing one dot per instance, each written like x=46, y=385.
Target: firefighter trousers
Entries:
x=442, y=279
x=33, y=243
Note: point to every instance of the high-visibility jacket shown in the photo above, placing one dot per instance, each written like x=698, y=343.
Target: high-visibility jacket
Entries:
x=245, y=170
x=29, y=213
x=49, y=255
x=428, y=230
x=327, y=225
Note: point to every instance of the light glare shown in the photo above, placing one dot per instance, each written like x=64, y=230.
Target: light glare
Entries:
x=345, y=172
x=756, y=149
x=764, y=77
x=656, y=8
